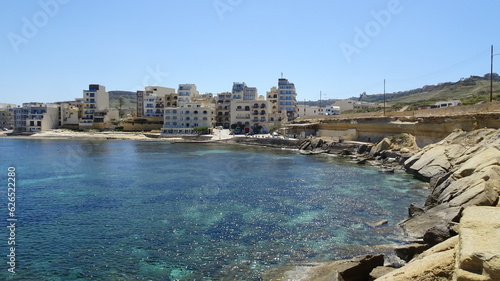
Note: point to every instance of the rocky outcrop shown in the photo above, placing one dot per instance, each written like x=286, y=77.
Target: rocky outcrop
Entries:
x=463, y=170
x=435, y=264
x=356, y=269
x=478, y=253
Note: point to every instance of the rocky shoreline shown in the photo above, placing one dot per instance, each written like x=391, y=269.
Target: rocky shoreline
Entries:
x=463, y=171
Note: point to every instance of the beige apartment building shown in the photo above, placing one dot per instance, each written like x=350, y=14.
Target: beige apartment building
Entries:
x=248, y=111
x=152, y=101
x=223, y=110
x=7, y=115
x=70, y=113
x=96, y=111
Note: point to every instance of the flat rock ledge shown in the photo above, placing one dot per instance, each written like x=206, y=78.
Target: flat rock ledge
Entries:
x=473, y=255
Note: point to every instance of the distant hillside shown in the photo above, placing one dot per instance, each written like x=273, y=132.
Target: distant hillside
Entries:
x=129, y=101
x=472, y=90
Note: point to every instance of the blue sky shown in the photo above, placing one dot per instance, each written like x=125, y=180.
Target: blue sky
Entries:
x=52, y=49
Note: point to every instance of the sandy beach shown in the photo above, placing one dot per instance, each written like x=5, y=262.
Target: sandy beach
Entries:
x=137, y=136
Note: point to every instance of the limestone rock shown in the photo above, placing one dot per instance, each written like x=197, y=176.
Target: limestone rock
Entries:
x=380, y=271
x=416, y=227
x=408, y=252
x=478, y=256
x=381, y=146
x=488, y=157
x=437, y=234
x=436, y=263
x=436, y=267
x=357, y=269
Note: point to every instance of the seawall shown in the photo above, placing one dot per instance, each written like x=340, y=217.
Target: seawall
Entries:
x=428, y=126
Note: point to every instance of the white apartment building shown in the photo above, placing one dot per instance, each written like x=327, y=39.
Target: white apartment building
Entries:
x=287, y=99
x=36, y=117
x=187, y=92
x=190, y=111
x=352, y=105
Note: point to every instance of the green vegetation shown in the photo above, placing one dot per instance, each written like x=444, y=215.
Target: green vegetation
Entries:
x=201, y=130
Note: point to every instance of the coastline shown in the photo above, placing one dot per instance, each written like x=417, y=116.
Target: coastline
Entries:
x=388, y=156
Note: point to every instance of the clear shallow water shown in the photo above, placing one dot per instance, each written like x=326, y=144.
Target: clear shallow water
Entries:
x=123, y=210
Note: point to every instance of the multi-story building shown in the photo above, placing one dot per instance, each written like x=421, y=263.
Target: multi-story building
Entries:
x=95, y=106
x=353, y=105
x=248, y=111
x=187, y=92
x=70, y=113
x=7, y=115
x=190, y=110
x=152, y=101
x=287, y=99
x=223, y=110
x=275, y=114
x=36, y=117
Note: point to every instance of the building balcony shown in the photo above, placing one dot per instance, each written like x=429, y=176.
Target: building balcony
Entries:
x=242, y=117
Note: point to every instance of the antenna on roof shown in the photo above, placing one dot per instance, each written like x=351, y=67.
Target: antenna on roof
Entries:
x=281, y=75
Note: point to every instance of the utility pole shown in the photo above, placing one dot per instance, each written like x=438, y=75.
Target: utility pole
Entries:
x=491, y=76
x=384, y=97
x=319, y=103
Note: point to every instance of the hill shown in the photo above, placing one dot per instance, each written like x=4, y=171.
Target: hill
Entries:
x=129, y=101
x=472, y=90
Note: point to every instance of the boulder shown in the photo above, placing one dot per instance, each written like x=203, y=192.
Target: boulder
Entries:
x=381, y=146
x=428, y=164
x=362, y=149
x=436, y=267
x=416, y=227
x=380, y=271
x=478, y=255
x=414, y=210
x=408, y=252
x=377, y=223
x=437, y=234
x=356, y=269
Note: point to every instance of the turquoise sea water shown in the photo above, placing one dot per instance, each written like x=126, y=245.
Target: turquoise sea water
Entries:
x=124, y=210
